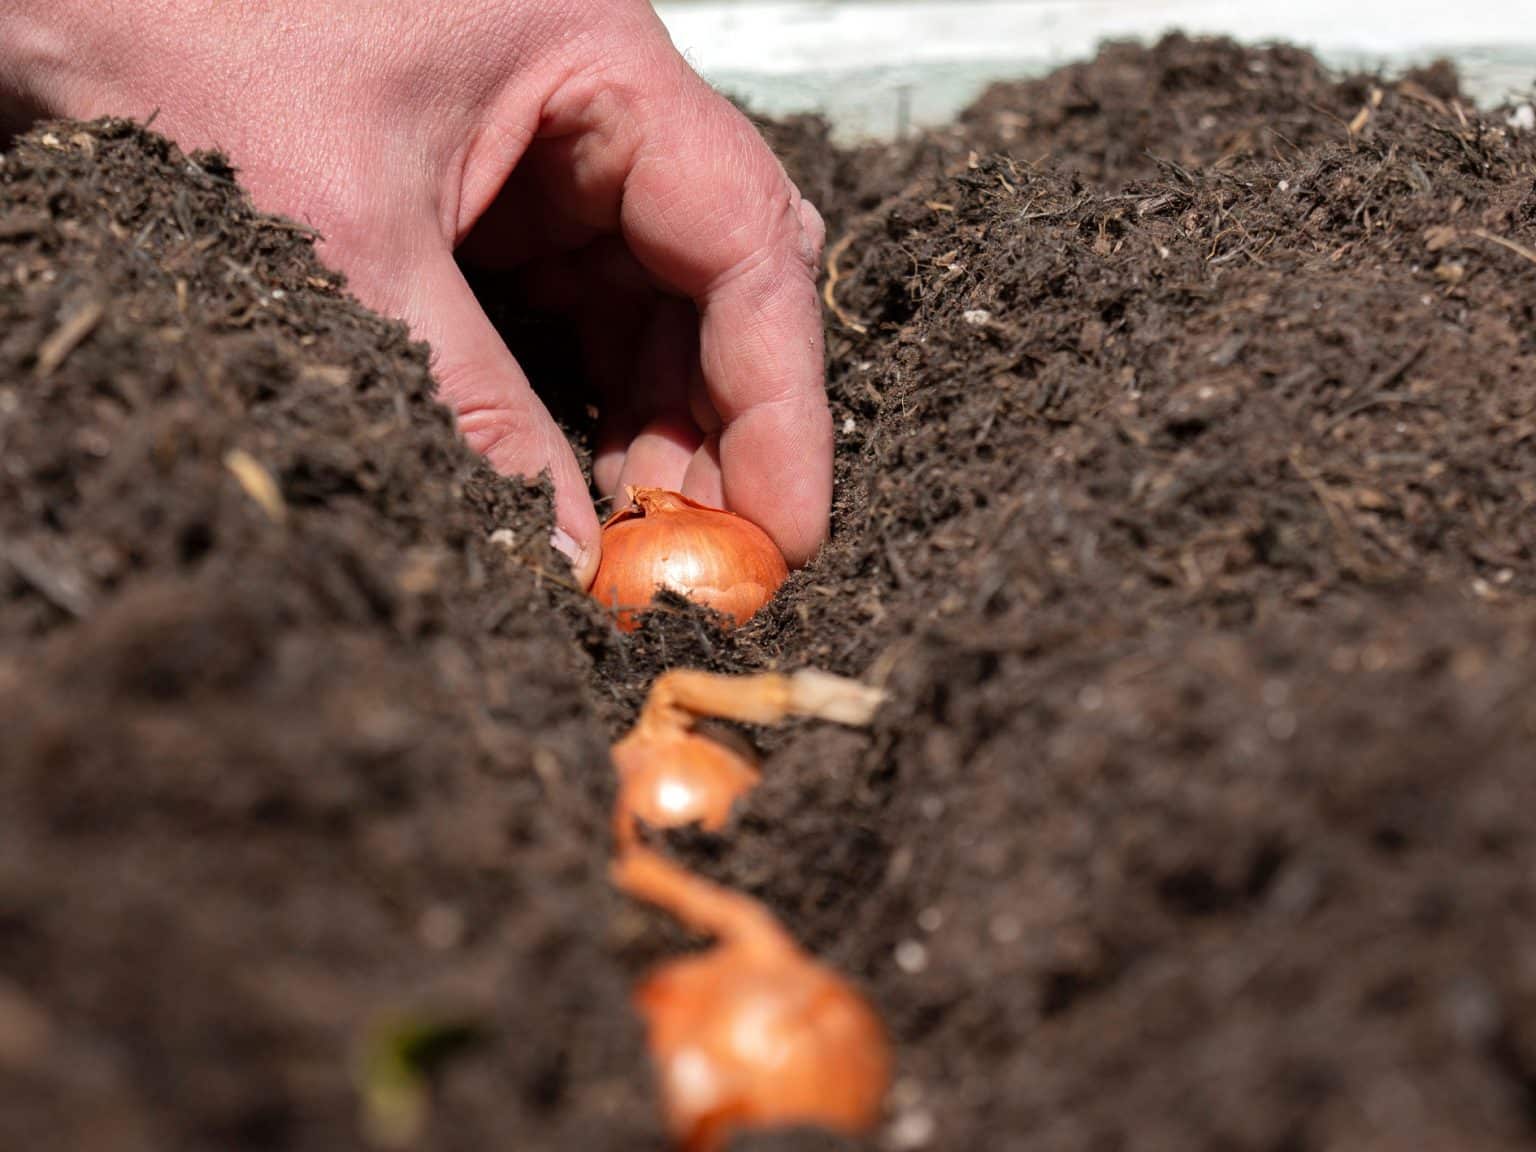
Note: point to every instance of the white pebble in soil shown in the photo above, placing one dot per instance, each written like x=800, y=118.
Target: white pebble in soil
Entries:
x=910, y=1131
x=1005, y=929
x=911, y=957
x=441, y=927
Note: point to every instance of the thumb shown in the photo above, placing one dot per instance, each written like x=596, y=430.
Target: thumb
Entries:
x=498, y=414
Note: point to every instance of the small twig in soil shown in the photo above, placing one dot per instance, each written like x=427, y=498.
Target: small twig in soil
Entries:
x=1353, y=559
x=1511, y=245
x=1421, y=95
x=1283, y=138
x=64, y=589
x=1337, y=119
x=68, y=336
x=1380, y=399
x=1045, y=215
x=1152, y=205
x=1368, y=110
x=1370, y=184
x=279, y=224
x=257, y=483
x=829, y=291
x=1247, y=250
x=1178, y=169
x=898, y=569
x=1376, y=384
x=1476, y=161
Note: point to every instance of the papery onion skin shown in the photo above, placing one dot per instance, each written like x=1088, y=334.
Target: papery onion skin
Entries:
x=665, y=541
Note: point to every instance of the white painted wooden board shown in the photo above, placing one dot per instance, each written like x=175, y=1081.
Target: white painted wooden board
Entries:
x=853, y=58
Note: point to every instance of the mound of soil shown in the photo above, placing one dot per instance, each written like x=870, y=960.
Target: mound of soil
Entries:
x=276, y=777
x=1186, y=458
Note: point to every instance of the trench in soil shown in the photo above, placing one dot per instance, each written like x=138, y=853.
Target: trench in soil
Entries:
x=1185, y=466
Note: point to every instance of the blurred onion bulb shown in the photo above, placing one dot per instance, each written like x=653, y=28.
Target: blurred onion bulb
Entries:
x=751, y=1033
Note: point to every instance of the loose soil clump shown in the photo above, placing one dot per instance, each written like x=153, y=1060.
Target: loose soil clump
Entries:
x=1186, y=410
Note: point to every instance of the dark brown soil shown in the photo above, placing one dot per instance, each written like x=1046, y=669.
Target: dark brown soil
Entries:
x=266, y=787
x=1187, y=458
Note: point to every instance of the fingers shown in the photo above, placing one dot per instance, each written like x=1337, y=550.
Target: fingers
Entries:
x=815, y=230
x=640, y=351
x=708, y=212
x=659, y=455
x=734, y=239
x=704, y=481
x=498, y=413
x=646, y=436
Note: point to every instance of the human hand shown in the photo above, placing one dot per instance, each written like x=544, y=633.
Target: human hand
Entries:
x=566, y=138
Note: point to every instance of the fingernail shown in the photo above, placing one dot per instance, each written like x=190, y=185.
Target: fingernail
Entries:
x=565, y=544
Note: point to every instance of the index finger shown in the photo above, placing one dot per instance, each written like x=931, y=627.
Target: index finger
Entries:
x=709, y=212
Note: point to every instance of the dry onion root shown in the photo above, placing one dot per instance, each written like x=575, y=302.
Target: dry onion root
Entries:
x=663, y=541
x=751, y=1033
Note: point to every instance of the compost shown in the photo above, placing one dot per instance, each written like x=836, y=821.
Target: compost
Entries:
x=1186, y=411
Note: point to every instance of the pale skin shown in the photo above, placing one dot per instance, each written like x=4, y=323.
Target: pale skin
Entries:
x=565, y=138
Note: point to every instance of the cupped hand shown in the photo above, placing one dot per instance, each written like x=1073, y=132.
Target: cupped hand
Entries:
x=564, y=138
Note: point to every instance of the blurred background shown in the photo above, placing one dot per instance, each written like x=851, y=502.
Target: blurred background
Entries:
x=876, y=67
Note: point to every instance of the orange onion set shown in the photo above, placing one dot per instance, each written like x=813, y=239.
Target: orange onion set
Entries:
x=664, y=541
x=673, y=779
x=751, y=1032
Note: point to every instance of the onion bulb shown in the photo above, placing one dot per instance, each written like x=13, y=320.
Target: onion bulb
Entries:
x=673, y=779
x=751, y=1033
x=671, y=775
x=665, y=541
